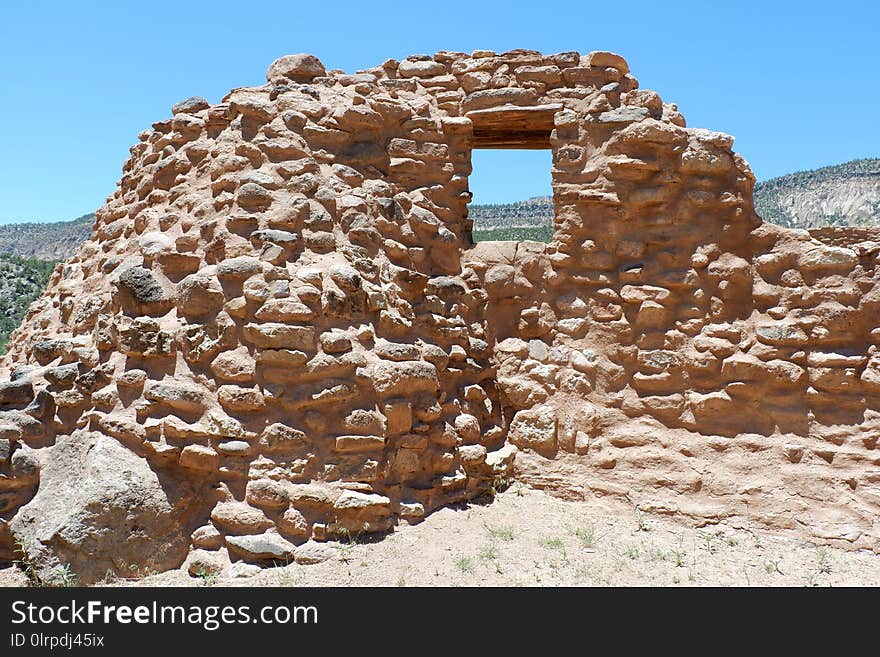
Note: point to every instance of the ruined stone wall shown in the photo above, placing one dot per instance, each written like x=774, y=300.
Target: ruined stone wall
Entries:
x=280, y=331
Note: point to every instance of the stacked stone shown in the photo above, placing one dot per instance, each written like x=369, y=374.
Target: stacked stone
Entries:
x=659, y=296
x=268, y=313
x=19, y=465
x=281, y=333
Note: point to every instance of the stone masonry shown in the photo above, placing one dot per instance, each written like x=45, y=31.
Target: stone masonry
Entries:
x=281, y=332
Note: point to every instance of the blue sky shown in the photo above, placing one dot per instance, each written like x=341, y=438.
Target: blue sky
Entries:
x=796, y=83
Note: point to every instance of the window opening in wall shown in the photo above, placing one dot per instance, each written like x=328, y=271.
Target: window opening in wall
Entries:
x=510, y=182
x=512, y=195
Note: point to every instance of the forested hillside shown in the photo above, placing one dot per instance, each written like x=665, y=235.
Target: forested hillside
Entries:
x=21, y=281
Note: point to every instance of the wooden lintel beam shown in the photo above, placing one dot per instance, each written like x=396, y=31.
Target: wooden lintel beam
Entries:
x=529, y=140
x=513, y=127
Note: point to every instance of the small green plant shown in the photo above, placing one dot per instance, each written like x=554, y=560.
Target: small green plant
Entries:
x=27, y=566
x=823, y=561
x=502, y=533
x=109, y=577
x=709, y=540
x=346, y=545
x=656, y=554
x=401, y=581
x=61, y=576
x=732, y=541
x=208, y=577
x=488, y=552
x=587, y=535
x=499, y=485
x=678, y=556
x=65, y=577
x=643, y=524
x=345, y=536
x=137, y=572
x=465, y=564
x=632, y=552
x=554, y=544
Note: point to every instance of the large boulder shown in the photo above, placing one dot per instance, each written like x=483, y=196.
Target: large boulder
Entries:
x=100, y=509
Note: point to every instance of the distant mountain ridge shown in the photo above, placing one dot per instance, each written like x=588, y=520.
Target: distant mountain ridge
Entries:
x=536, y=211
x=845, y=194
x=45, y=241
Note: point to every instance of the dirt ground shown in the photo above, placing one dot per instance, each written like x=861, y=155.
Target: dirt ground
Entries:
x=527, y=538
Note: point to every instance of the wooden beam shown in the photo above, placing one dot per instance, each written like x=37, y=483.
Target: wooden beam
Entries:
x=530, y=140
x=511, y=126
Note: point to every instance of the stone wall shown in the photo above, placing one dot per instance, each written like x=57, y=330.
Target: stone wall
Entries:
x=282, y=322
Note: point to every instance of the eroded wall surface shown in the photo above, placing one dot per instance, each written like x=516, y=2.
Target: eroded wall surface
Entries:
x=281, y=332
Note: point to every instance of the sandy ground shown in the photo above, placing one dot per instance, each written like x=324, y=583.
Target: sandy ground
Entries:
x=527, y=538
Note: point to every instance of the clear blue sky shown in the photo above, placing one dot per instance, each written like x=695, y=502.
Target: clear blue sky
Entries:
x=798, y=83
